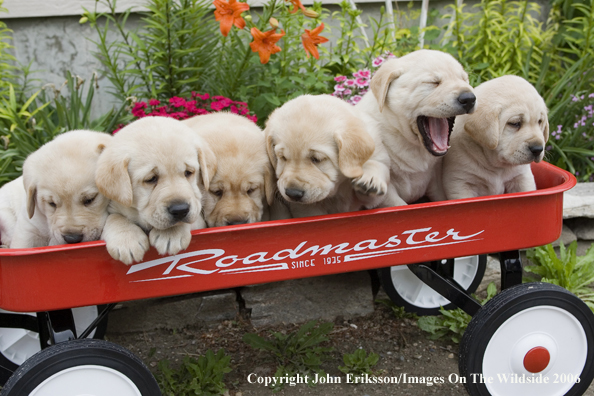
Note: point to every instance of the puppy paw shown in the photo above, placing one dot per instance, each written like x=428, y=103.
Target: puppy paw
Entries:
x=128, y=247
x=171, y=240
x=369, y=185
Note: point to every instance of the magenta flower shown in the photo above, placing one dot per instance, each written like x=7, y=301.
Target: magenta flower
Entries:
x=362, y=82
x=339, y=88
x=154, y=102
x=217, y=106
x=340, y=79
x=356, y=99
x=177, y=101
x=377, y=62
x=364, y=74
x=350, y=83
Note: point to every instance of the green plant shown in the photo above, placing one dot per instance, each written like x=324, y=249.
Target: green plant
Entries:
x=24, y=128
x=451, y=323
x=298, y=352
x=574, y=273
x=359, y=362
x=399, y=312
x=8, y=70
x=196, y=377
x=169, y=55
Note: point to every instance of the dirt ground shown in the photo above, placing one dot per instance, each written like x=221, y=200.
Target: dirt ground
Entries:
x=403, y=348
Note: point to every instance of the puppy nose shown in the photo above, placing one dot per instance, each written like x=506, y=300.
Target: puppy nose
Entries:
x=536, y=150
x=294, y=193
x=237, y=221
x=467, y=100
x=178, y=210
x=73, y=238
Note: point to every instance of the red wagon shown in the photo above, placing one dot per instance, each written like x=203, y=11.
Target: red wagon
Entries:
x=530, y=339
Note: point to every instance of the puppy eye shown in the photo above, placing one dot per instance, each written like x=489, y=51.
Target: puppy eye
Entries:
x=250, y=191
x=218, y=193
x=539, y=122
x=516, y=125
x=152, y=180
x=88, y=201
x=315, y=160
x=282, y=158
x=52, y=204
x=188, y=173
x=436, y=83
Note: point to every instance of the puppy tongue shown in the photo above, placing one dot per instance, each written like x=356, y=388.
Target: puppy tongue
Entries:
x=439, y=131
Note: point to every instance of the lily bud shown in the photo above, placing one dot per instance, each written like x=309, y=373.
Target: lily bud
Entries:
x=248, y=17
x=83, y=20
x=273, y=23
x=310, y=13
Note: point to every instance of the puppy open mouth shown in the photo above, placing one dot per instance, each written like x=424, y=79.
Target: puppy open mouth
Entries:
x=436, y=133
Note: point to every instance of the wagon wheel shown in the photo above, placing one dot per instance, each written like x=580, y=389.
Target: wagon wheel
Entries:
x=408, y=291
x=19, y=344
x=530, y=332
x=82, y=367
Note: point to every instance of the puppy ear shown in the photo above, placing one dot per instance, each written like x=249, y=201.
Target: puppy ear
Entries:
x=381, y=80
x=208, y=163
x=546, y=129
x=100, y=148
x=269, y=184
x=112, y=178
x=483, y=126
x=31, y=189
x=270, y=150
x=355, y=147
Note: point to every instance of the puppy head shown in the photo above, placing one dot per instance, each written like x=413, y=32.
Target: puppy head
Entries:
x=244, y=180
x=59, y=180
x=155, y=165
x=314, y=144
x=421, y=94
x=512, y=122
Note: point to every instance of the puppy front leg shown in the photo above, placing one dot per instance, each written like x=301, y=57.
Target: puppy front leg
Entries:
x=125, y=241
x=522, y=182
x=372, y=186
x=172, y=239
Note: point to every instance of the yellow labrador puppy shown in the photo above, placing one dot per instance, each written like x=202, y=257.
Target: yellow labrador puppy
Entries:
x=243, y=187
x=317, y=145
x=492, y=149
x=12, y=197
x=151, y=172
x=411, y=107
x=63, y=203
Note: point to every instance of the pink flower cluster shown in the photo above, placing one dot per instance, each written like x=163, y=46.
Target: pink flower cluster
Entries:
x=180, y=108
x=353, y=88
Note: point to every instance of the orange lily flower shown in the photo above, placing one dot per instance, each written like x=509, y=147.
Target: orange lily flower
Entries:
x=229, y=14
x=296, y=5
x=310, y=40
x=265, y=43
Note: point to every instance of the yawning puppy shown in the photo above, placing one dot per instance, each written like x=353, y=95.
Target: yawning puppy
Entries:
x=412, y=105
x=151, y=172
x=317, y=145
x=243, y=187
x=63, y=204
x=492, y=149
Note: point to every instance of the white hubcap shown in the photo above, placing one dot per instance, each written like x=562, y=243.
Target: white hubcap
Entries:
x=546, y=328
x=417, y=293
x=87, y=381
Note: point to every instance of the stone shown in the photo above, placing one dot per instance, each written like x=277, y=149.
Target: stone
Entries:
x=567, y=236
x=582, y=227
x=324, y=298
x=173, y=313
x=579, y=201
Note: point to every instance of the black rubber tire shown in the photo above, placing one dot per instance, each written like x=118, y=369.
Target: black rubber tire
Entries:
x=7, y=366
x=387, y=282
x=503, y=306
x=79, y=353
